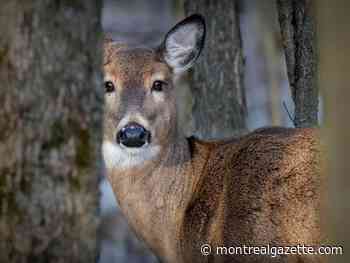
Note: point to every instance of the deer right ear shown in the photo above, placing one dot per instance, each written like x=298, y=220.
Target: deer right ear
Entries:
x=107, y=47
x=184, y=43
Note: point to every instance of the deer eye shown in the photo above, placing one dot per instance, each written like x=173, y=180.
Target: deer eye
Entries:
x=109, y=86
x=158, y=86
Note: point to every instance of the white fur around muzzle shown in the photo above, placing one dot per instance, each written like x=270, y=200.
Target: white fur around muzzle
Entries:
x=116, y=156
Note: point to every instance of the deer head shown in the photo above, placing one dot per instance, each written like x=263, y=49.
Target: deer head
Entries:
x=140, y=114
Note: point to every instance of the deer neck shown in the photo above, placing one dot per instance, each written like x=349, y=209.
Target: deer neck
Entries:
x=154, y=195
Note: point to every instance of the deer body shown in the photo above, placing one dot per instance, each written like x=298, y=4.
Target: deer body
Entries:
x=180, y=193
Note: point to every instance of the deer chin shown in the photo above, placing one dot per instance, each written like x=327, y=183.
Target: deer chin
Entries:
x=117, y=156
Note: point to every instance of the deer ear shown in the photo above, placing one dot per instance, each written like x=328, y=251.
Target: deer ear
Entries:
x=184, y=43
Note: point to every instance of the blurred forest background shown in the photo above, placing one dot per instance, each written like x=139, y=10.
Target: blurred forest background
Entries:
x=260, y=94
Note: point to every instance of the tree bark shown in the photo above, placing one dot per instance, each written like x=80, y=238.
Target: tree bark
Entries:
x=217, y=81
x=334, y=42
x=297, y=24
x=50, y=130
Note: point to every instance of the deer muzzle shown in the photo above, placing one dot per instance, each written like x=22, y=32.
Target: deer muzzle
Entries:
x=133, y=135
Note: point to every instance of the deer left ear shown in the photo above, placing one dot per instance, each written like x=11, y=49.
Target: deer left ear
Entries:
x=184, y=43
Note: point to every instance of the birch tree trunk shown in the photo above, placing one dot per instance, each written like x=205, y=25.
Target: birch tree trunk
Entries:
x=217, y=81
x=50, y=130
x=334, y=42
x=297, y=24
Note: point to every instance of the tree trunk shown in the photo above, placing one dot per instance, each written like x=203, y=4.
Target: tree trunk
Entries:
x=217, y=81
x=299, y=40
x=334, y=42
x=50, y=130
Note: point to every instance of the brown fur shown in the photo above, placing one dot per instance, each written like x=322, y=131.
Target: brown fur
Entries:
x=263, y=188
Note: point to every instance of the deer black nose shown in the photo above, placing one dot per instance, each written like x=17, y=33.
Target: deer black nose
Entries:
x=133, y=135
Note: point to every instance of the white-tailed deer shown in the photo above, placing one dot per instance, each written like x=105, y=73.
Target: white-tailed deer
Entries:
x=180, y=193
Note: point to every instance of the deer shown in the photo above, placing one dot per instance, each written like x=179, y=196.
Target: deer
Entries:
x=179, y=193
